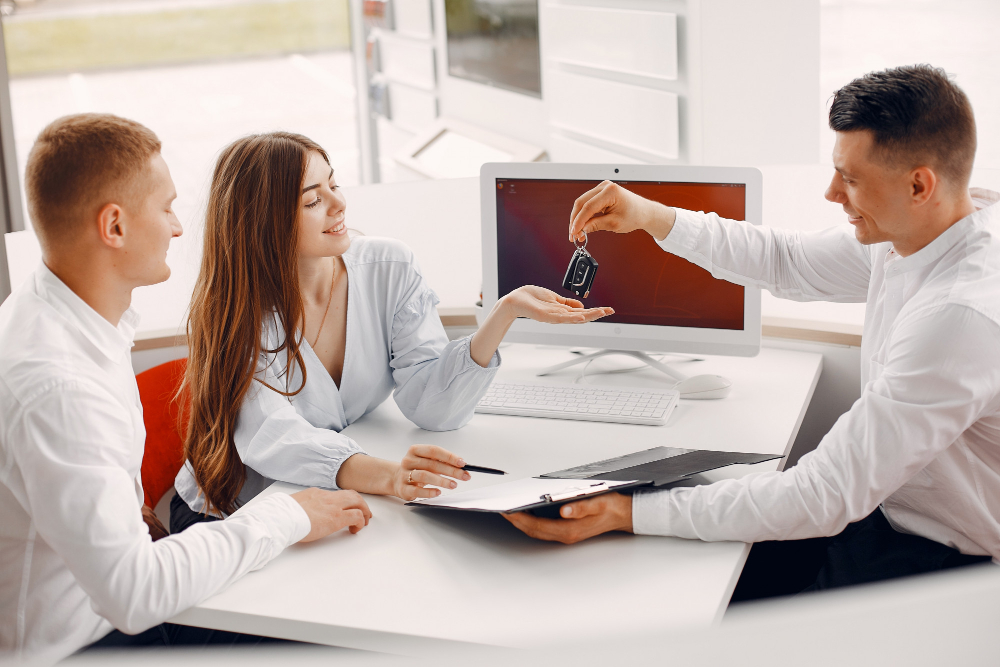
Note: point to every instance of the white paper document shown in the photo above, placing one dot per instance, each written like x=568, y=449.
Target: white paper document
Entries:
x=511, y=496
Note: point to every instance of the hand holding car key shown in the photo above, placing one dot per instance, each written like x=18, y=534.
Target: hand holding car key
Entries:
x=581, y=271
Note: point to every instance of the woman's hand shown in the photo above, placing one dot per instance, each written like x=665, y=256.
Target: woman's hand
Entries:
x=611, y=207
x=425, y=466
x=545, y=305
x=531, y=301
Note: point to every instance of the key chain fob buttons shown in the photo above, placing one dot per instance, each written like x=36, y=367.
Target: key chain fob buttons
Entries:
x=580, y=273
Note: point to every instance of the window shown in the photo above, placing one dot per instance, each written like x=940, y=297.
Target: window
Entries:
x=495, y=42
x=199, y=75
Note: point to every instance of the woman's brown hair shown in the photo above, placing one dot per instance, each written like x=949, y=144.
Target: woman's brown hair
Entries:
x=249, y=274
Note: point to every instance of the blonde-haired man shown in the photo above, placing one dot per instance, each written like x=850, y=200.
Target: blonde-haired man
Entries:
x=78, y=565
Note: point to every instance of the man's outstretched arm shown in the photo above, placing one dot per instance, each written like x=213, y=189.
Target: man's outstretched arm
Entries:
x=830, y=265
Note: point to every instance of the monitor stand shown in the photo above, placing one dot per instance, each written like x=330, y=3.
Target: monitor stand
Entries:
x=641, y=356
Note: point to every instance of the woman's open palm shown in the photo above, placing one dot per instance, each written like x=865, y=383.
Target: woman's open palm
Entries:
x=544, y=305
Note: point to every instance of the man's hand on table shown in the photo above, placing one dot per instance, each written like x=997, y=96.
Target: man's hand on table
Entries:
x=331, y=511
x=581, y=520
x=611, y=207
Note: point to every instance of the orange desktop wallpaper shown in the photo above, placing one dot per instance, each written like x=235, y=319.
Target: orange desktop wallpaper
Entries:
x=644, y=284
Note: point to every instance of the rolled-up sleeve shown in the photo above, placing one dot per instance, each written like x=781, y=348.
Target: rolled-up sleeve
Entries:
x=928, y=394
x=828, y=265
x=437, y=382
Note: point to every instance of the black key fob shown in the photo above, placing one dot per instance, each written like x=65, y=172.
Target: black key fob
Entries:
x=581, y=271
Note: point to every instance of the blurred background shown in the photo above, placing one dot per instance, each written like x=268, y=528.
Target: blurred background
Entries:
x=401, y=90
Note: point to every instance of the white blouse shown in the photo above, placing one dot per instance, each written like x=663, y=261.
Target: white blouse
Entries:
x=395, y=344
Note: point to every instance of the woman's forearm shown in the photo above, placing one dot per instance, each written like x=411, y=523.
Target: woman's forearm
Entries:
x=487, y=339
x=367, y=474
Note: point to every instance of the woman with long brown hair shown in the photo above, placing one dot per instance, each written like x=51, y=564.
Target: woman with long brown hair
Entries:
x=296, y=331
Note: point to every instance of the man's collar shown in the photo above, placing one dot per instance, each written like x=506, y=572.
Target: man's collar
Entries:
x=986, y=209
x=983, y=198
x=112, y=342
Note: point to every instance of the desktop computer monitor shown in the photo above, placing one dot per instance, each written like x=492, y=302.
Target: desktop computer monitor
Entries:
x=662, y=303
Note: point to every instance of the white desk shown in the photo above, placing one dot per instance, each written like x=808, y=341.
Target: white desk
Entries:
x=417, y=580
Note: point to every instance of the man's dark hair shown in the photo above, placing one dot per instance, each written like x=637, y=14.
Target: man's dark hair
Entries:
x=917, y=117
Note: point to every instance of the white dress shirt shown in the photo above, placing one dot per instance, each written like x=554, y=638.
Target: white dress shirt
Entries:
x=923, y=440
x=76, y=559
x=395, y=343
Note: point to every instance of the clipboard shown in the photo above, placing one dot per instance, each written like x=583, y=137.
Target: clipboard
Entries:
x=660, y=465
x=542, y=496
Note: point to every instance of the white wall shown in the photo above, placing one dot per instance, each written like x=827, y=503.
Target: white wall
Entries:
x=716, y=82
x=755, y=81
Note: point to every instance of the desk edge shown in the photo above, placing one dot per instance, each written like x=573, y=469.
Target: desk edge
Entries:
x=202, y=616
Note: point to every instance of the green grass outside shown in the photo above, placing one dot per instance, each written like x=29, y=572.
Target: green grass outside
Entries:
x=73, y=44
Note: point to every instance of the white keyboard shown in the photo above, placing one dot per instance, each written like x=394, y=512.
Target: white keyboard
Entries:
x=602, y=404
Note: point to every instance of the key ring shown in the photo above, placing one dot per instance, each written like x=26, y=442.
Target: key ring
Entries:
x=584, y=246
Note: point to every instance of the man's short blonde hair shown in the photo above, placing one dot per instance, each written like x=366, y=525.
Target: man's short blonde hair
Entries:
x=80, y=163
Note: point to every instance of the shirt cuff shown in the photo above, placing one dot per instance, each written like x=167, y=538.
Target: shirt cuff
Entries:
x=291, y=524
x=352, y=449
x=684, y=234
x=649, y=513
x=470, y=363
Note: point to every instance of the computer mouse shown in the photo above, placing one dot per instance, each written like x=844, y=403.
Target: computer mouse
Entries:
x=704, y=386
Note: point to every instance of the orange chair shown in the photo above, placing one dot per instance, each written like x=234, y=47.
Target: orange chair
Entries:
x=164, y=453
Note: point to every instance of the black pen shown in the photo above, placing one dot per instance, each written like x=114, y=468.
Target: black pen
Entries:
x=489, y=471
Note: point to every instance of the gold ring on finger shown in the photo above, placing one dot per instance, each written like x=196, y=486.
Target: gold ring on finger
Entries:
x=409, y=478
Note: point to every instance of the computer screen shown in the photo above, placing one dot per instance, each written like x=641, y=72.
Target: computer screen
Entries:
x=644, y=284
x=662, y=302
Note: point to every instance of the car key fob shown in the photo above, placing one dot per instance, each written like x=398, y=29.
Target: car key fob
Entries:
x=581, y=271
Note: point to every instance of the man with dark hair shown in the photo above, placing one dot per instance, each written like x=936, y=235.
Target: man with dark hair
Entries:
x=78, y=565
x=908, y=481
